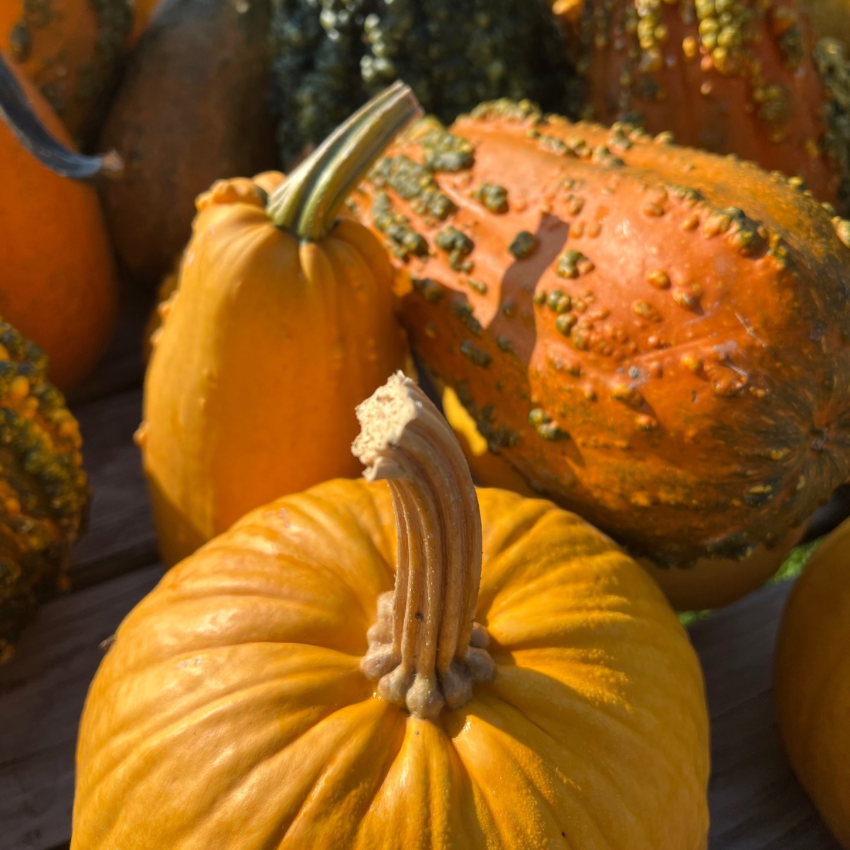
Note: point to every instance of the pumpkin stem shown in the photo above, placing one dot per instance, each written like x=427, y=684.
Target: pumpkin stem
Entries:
x=307, y=203
x=18, y=113
x=425, y=651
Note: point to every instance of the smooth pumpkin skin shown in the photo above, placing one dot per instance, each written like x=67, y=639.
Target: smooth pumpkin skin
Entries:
x=58, y=286
x=239, y=675
x=812, y=680
x=70, y=49
x=266, y=348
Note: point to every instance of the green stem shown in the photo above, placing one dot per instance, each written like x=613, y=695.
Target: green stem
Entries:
x=307, y=203
x=17, y=111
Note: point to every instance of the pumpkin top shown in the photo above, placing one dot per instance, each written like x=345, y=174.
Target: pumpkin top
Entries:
x=425, y=651
x=308, y=201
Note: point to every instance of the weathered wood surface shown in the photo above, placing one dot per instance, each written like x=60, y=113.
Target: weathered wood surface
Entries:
x=756, y=804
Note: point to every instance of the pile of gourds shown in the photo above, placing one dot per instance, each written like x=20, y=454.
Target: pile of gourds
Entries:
x=625, y=335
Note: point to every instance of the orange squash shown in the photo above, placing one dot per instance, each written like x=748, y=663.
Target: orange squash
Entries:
x=58, y=285
x=653, y=336
x=302, y=703
x=812, y=680
x=741, y=79
x=71, y=50
x=282, y=320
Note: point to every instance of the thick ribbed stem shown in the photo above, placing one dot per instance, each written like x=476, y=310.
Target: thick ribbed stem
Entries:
x=18, y=113
x=307, y=203
x=425, y=651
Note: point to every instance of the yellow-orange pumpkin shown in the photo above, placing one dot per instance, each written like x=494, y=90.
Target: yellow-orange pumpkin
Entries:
x=812, y=680
x=58, y=285
x=287, y=698
x=282, y=321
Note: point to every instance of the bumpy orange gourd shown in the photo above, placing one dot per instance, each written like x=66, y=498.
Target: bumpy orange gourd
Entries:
x=738, y=78
x=44, y=492
x=70, y=49
x=58, y=286
x=812, y=680
x=653, y=336
x=287, y=698
x=282, y=321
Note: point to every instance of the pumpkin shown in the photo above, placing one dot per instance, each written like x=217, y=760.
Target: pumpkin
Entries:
x=70, y=49
x=812, y=680
x=44, y=492
x=191, y=109
x=739, y=79
x=304, y=703
x=58, y=286
x=653, y=336
x=281, y=322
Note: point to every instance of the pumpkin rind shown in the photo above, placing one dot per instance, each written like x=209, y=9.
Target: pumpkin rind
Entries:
x=652, y=335
x=240, y=674
x=44, y=492
x=70, y=49
x=59, y=284
x=812, y=680
x=737, y=78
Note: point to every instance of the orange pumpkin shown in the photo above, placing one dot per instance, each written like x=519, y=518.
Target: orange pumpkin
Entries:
x=287, y=697
x=281, y=321
x=70, y=49
x=653, y=336
x=58, y=285
x=740, y=79
x=812, y=680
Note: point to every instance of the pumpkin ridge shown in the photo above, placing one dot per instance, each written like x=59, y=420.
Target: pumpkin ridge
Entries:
x=500, y=731
x=209, y=711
